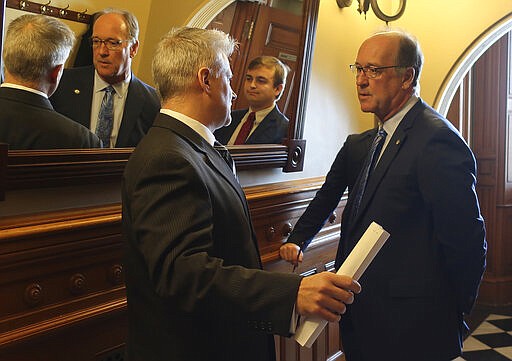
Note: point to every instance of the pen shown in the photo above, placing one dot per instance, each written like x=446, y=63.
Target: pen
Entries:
x=297, y=260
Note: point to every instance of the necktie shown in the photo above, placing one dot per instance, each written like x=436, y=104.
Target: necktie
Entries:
x=368, y=166
x=224, y=153
x=245, y=130
x=106, y=117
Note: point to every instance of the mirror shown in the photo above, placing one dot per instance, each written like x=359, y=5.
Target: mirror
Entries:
x=38, y=167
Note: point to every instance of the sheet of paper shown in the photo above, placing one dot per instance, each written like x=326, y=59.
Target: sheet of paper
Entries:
x=354, y=266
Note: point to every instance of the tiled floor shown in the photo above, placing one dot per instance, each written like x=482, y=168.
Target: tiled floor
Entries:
x=491, y=338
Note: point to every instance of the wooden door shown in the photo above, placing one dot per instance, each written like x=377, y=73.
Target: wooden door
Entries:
x=263, y=30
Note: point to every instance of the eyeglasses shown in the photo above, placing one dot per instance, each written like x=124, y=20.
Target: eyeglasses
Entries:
x=109, y=43
x=371, y=72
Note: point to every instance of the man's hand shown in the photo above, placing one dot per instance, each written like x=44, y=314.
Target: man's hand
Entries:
x=291, y=252
x=325, y=295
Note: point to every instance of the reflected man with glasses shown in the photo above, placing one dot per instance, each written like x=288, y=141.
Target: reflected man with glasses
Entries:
x=420, y=188
x=106, y=97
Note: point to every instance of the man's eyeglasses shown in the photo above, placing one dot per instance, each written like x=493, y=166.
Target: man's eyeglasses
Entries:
x=371, y=72
x=109, y=43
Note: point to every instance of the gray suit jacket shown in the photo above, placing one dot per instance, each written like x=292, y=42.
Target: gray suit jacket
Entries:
x=73, y=98
x=194, y=282
x=427, y=275
x=28, y=121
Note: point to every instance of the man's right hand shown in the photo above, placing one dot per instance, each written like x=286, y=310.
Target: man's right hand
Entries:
x=325, y=295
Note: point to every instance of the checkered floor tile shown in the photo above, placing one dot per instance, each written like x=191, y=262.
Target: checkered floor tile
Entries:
x=490, y=341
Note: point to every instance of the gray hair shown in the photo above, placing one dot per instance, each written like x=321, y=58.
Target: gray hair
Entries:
x=409, y=52
x=35, y=44
x=182, y=52
x=129, y=19
x=410, y=55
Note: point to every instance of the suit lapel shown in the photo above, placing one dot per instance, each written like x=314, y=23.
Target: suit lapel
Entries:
x=200, y=145
x=398, y=139
x=83, y=91
x=266, y=123
x=132, y=110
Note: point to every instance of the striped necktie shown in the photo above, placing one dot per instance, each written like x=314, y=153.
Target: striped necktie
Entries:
x=369, y=164
x=106, y=117
x=224, y=153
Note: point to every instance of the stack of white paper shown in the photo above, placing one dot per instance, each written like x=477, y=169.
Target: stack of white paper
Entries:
x=354, y=266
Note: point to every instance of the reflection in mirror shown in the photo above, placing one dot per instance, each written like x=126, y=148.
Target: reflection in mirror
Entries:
x=247, y=157
x=262, y=30
x=35, y=50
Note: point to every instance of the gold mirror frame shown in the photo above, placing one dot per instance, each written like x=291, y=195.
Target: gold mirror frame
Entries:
x=41, y=168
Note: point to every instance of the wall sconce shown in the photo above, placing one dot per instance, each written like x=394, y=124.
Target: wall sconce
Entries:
x=364, y=5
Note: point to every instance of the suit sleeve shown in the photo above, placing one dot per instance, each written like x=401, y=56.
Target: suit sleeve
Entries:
x=172, y=211
x=447, y=178
x=324, y=203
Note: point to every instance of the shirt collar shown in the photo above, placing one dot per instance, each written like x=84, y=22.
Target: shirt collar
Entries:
x=21, y=87
x=260, y=114
x=392, y=123
x=198, y=127
x=121, y=88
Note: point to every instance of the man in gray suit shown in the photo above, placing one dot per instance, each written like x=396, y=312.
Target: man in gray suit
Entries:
x=195, y=287
x=35, y=50
x=114, y=43
x=422, y=191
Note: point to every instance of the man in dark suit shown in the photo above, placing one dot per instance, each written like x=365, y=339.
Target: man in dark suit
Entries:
x=35, y=50
x=263, y=122
x=422, y=191
x=114, y=42
x=195, y=287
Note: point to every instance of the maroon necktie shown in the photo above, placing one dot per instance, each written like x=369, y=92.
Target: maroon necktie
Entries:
x=245, y=130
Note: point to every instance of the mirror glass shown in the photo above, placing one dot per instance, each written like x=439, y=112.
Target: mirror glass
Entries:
x=291, y=44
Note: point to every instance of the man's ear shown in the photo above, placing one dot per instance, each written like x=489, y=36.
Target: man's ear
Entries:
x=408, y=77
x=204, y=77
x=278, y=90
x=55, y=74
x=134, y=48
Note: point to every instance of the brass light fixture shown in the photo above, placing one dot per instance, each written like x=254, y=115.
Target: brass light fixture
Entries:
x=364, y=6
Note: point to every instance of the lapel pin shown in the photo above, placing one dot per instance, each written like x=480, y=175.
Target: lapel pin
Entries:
x=77, y=91
x=397, y=141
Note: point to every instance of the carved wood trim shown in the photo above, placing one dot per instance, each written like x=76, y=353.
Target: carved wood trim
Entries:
x=62, y=273
x=52, y=168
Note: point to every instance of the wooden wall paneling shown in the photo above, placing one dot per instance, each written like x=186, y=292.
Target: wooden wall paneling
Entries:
x=62, y=285
x=274, y=212
x=60, y=278
x=3, y=168
x=489, y=140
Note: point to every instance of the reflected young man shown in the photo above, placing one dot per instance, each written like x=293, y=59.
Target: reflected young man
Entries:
x=35, y=50
x=114, y=43
x=263, y=122
x=422, y=191
x=195, y=287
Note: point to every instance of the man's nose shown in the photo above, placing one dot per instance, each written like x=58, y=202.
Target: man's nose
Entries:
x=361, y=79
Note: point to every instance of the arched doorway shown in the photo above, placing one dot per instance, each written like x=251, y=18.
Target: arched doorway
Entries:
x=477, y=99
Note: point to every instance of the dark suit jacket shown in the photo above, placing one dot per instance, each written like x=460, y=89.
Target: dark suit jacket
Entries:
x=272, y=129
x=194, y=285
x=427, y=275
x=73, y=98
x=28, y=121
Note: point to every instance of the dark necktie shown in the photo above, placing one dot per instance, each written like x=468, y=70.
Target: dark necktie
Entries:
x=224, y=153
x=246, y=128
x=368, y=166
x=106, y=117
